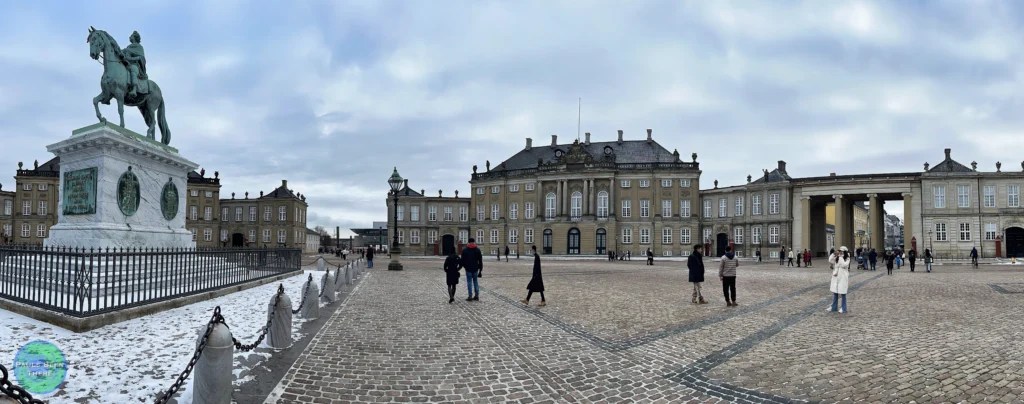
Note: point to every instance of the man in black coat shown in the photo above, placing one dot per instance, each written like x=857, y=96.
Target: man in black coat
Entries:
x=369, y=258
x=912, y=257
x=473, y=261
x=695, y=263
x=650, y=257
x=536, y=282
x=451, y=269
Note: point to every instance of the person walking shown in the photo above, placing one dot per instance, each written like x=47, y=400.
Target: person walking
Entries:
x=629, y=256
x=451, y=269
x=782, y=256
x=369, y=258
x=912, y=258
x=789, y=258
x=536, y=282
x=899, y=258
x=890, y=259
x=928, y=259
x=840, y=284
x=695, y=263
x=799, y=255
x=974, y=256
x=473, y=261
x=873, y=258
x=807, y=258
x=727, y=273
x=506, y=253
x=650, y=257
x=758, y=254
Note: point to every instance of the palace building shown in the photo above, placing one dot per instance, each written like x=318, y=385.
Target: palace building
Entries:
x=633, y=195
x=277, y=219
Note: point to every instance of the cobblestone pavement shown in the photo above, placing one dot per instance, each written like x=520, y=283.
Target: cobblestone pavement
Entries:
x=626, y=332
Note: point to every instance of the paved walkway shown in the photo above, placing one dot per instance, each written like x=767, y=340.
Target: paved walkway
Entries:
x=623, y=331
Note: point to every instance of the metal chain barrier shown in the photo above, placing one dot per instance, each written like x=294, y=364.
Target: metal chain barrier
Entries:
x=304, y=290
x=214, y=320
x=14, y=391
x=318, y=259
x=266, y=328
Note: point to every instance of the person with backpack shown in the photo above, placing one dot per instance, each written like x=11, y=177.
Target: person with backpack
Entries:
x=727, y=273
x=695, y=264
x=473, y=261
x=451, y=269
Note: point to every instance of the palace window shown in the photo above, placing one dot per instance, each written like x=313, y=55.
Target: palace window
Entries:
x=414, y=213
x=737, y=235
x=193, y=234
x=447, y=213
x=645, y=208
x=41, y=231
x=252, y=213
x=990, y=231
x=755, y=234
x=528, y=235
x=431, y=236
x=602, y=204
x=252, y=236
x=645, y=183
x=684, y=235
x=529, y=186
x=42, y=208
x=773, y=234
x=707, y=208
x=223, y=235
x=940, y=232
x=495, y=211
x=414, y=236
x=401, y=213
x=513, y=211
x=209, y=194
x=755, y=204
x=939, y=192
x=193, y=212
x=739, y=206
x=684, y=208
x=25, y=230
x=195, y=192
x=576, y=204
x=7, y=230
x=645, y=235
x=479, y=190
x=26, y=208
x=666, y=235
x=42, y=187
x=528, y=210
x=666, y=183
x=432, y=213
x=666, y=208
x=401, y=236
x=494, y=236
x=8, y=207
x=684, y=183
x=282, y=236
x=965, y=232
x=207, y=234
x=463, y=236
x=513, y=235
x=989, y=196
x=463, y=213
x=496, y=189
x=627, y=235
x=26, y=187
x=266, y=215
x=627, y=208
x=1013, y=196
x=549, y=205
x=282, y=213
x=773, y=204
x=707, y=235
x=238, y=213
x=963, y=196
x=625, y=183
x=480, y=236
x=513, y=188
x=208, y=213
x=266, y=235
x=723, y=204
x=479, y=212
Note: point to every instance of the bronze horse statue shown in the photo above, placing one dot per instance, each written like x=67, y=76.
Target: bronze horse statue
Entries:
x=114, y=84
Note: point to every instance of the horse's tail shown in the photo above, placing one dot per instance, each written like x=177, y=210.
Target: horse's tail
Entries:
x=165, y=132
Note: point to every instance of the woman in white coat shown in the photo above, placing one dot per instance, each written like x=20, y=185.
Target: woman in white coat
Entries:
x=840, y=262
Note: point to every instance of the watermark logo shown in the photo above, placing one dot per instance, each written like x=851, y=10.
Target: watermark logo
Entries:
x=40, y=367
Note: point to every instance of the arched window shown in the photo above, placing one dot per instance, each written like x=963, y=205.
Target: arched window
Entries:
x=602, y=204
x=576, y=205
x=549, y=205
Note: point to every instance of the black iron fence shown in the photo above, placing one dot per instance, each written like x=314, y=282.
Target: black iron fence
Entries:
x=83, y=283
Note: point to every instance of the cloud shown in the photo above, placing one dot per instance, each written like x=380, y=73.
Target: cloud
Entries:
x=332, y=95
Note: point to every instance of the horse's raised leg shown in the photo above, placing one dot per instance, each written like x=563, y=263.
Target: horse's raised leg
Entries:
x=120, y=110
x=96, y=105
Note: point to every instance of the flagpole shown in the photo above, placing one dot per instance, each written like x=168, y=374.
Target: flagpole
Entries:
x=579, y=115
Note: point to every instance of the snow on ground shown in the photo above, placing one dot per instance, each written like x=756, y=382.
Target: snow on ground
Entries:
x=135, y=360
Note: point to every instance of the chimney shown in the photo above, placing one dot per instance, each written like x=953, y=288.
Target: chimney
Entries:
x=620, y=135
x=529, y=143
x=587, y=139
x=554, y=140
x=947, y=151
x=649, y=135
x=782, y=166
x=284, y=184
x=405, y=183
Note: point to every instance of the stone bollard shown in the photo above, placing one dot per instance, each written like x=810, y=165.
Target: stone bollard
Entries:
x=213, y=375
x=348, y=274
x=338, y=285
x=328, y=287
x=311, y=308
x=320, y=263
x=279, y=336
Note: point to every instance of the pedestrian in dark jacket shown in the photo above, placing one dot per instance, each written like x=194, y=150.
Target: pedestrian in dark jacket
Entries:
x=890, y=259
x=451, y=270
x=695, y=263
x=506, y=253
x=650, y=257
x=873, y=258
x=369, y=258
x=536, y=282
x=473, y=261
x=912, y=257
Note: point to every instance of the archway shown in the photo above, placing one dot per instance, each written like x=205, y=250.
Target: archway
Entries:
x=548, y=240
x=1014, y=242
x=602, y=241
x=574, y=242
x=721, y=241
x=447, y=244
x=237, y=240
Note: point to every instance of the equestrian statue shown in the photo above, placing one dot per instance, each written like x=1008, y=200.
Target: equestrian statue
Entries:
x=125, y=79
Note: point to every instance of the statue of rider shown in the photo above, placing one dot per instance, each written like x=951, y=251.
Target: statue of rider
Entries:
x=135, y=61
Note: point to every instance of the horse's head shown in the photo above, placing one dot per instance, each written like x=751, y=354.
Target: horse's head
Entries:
x=96, y=43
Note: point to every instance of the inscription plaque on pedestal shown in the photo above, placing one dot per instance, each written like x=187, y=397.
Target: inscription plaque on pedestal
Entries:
x=79, y=191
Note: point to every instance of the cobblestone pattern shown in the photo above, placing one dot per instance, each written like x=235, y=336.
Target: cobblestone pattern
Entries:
x=620, y=332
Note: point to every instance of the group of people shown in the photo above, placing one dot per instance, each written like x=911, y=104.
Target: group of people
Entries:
x=789, y=257
x=621, y=256
x=473, y=261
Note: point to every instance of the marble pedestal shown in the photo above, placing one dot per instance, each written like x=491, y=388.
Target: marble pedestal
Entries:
x=97, y=156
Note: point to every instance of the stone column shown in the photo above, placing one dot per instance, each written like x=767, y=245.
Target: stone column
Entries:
x=908, y=220
x=840, y=225
x=874, y=218
x=586, y=197
x=805, y=222
x=613, y=204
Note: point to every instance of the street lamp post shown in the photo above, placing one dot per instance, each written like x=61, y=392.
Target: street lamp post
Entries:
x=380, y=233
x=395, y=182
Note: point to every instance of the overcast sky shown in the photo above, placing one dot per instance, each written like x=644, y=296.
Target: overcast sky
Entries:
x=332, y=95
